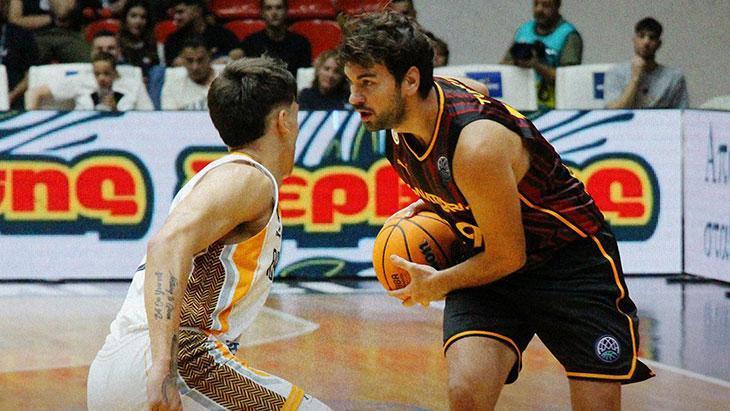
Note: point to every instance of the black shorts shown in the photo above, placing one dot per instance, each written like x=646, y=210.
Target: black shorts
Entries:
x=577, y=303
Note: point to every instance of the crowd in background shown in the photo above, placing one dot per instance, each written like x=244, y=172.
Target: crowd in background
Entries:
x=180, y=44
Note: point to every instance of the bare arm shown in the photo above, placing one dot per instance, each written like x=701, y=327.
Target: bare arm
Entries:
x=627, y=99
x=208, y=213
x=15, y=16
x=492, y=194
x=19, y=89
x=37, y=96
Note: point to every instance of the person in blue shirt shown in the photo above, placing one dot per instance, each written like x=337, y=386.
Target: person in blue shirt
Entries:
x=545, y=43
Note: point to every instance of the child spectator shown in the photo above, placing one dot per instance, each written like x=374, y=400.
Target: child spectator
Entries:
x=108, y=94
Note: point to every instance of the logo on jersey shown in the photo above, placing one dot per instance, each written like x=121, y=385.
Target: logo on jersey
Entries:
x=444, y=171
x=607, y=349
x=396, y=140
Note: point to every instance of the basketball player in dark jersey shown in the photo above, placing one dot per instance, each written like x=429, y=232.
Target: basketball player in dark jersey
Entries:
x=542, y=259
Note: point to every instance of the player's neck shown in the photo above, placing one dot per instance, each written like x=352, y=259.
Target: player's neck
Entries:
x=265, y=152
x=421, y=117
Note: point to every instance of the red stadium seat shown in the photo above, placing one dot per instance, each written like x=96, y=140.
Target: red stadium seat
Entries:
x=353, y=7
x=311, y=9
x=100, y=25
x=322, y=34
x=244, y=28
x=236, y=9
x=164, y=29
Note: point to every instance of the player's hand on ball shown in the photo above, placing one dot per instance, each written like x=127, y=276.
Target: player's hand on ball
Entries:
x=422, y=288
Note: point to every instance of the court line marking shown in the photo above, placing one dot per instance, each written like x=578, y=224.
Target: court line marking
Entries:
x=687, y=373
x=326, y=287
x=307, y=325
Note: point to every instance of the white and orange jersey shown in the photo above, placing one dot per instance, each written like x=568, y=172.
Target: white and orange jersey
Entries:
x=228, y=283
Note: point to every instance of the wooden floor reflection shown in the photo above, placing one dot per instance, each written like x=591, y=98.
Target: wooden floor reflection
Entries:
x=368, y=353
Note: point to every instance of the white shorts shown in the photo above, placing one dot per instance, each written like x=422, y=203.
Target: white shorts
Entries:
x=210, y=378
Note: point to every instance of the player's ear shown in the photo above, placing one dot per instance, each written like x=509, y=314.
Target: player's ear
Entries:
x=283, y=121
x=411, y=81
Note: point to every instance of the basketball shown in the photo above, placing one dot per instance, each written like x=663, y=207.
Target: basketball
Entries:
x=424, y=238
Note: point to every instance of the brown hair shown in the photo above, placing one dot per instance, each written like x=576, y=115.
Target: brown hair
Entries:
x=319, y=62
x=241, y=98
x=390, y=39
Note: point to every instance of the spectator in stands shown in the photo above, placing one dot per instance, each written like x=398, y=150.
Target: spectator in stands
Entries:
x=56, y=26
x=107, y=94
x=19, y=52
x=642, y=82
x=440, y=50
x=107, y=42
x=136, y=37
x=545, y=43
x=190, y=91
x=190, y=18
x=276, y=40
x=405, y=7
x=329, y=89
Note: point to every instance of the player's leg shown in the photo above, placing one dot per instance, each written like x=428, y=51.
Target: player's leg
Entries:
x=586, y=395
x=485, y=333
x=583, y=313
x=116, y=378
x=212, y=377
x=478, y=368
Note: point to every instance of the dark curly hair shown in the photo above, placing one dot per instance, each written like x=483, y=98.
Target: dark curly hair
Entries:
x=390, y=39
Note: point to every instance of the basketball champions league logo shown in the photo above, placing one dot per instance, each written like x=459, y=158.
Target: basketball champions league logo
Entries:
x=608, y=349
x=444, y=171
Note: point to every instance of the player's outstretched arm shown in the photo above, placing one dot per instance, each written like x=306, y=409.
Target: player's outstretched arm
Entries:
x=488, y=162
x=228, y=196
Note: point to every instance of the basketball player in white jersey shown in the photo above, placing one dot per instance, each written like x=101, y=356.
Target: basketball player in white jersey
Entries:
x=208, y=270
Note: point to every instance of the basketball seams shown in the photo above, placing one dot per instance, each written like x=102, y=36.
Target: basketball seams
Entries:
x=388, y=243
x=385, y=249
x=445, y=256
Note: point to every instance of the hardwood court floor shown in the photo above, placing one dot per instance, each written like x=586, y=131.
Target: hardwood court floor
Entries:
x=356, y=351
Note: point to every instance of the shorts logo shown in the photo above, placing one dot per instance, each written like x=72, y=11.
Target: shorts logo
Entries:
x=607, y=349
x=443, y=166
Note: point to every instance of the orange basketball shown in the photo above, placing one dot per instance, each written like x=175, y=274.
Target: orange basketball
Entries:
x=424, y=238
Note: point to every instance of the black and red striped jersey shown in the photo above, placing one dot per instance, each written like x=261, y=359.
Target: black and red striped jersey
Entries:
x=556, y=209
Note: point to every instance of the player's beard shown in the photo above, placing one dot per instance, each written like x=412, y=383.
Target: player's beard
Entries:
x=390, y=117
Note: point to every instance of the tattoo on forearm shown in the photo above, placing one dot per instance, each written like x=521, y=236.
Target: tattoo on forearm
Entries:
x=171, y=296
x=164, y=299
x=170, y=381
x=158, y=295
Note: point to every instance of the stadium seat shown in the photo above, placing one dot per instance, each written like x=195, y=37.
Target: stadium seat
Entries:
x=50, y=73
x=513, y=85
x=311, y=9
x=322, y=34
x=112, y=25
x=4, y=101
x=353, y=7
x=163, y=29
x=580, y=87
x=305, y=76
x=244, y=28
x=235, y=9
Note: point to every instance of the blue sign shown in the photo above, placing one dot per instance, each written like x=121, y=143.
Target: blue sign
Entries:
x=493, y=80
x=598, y=80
